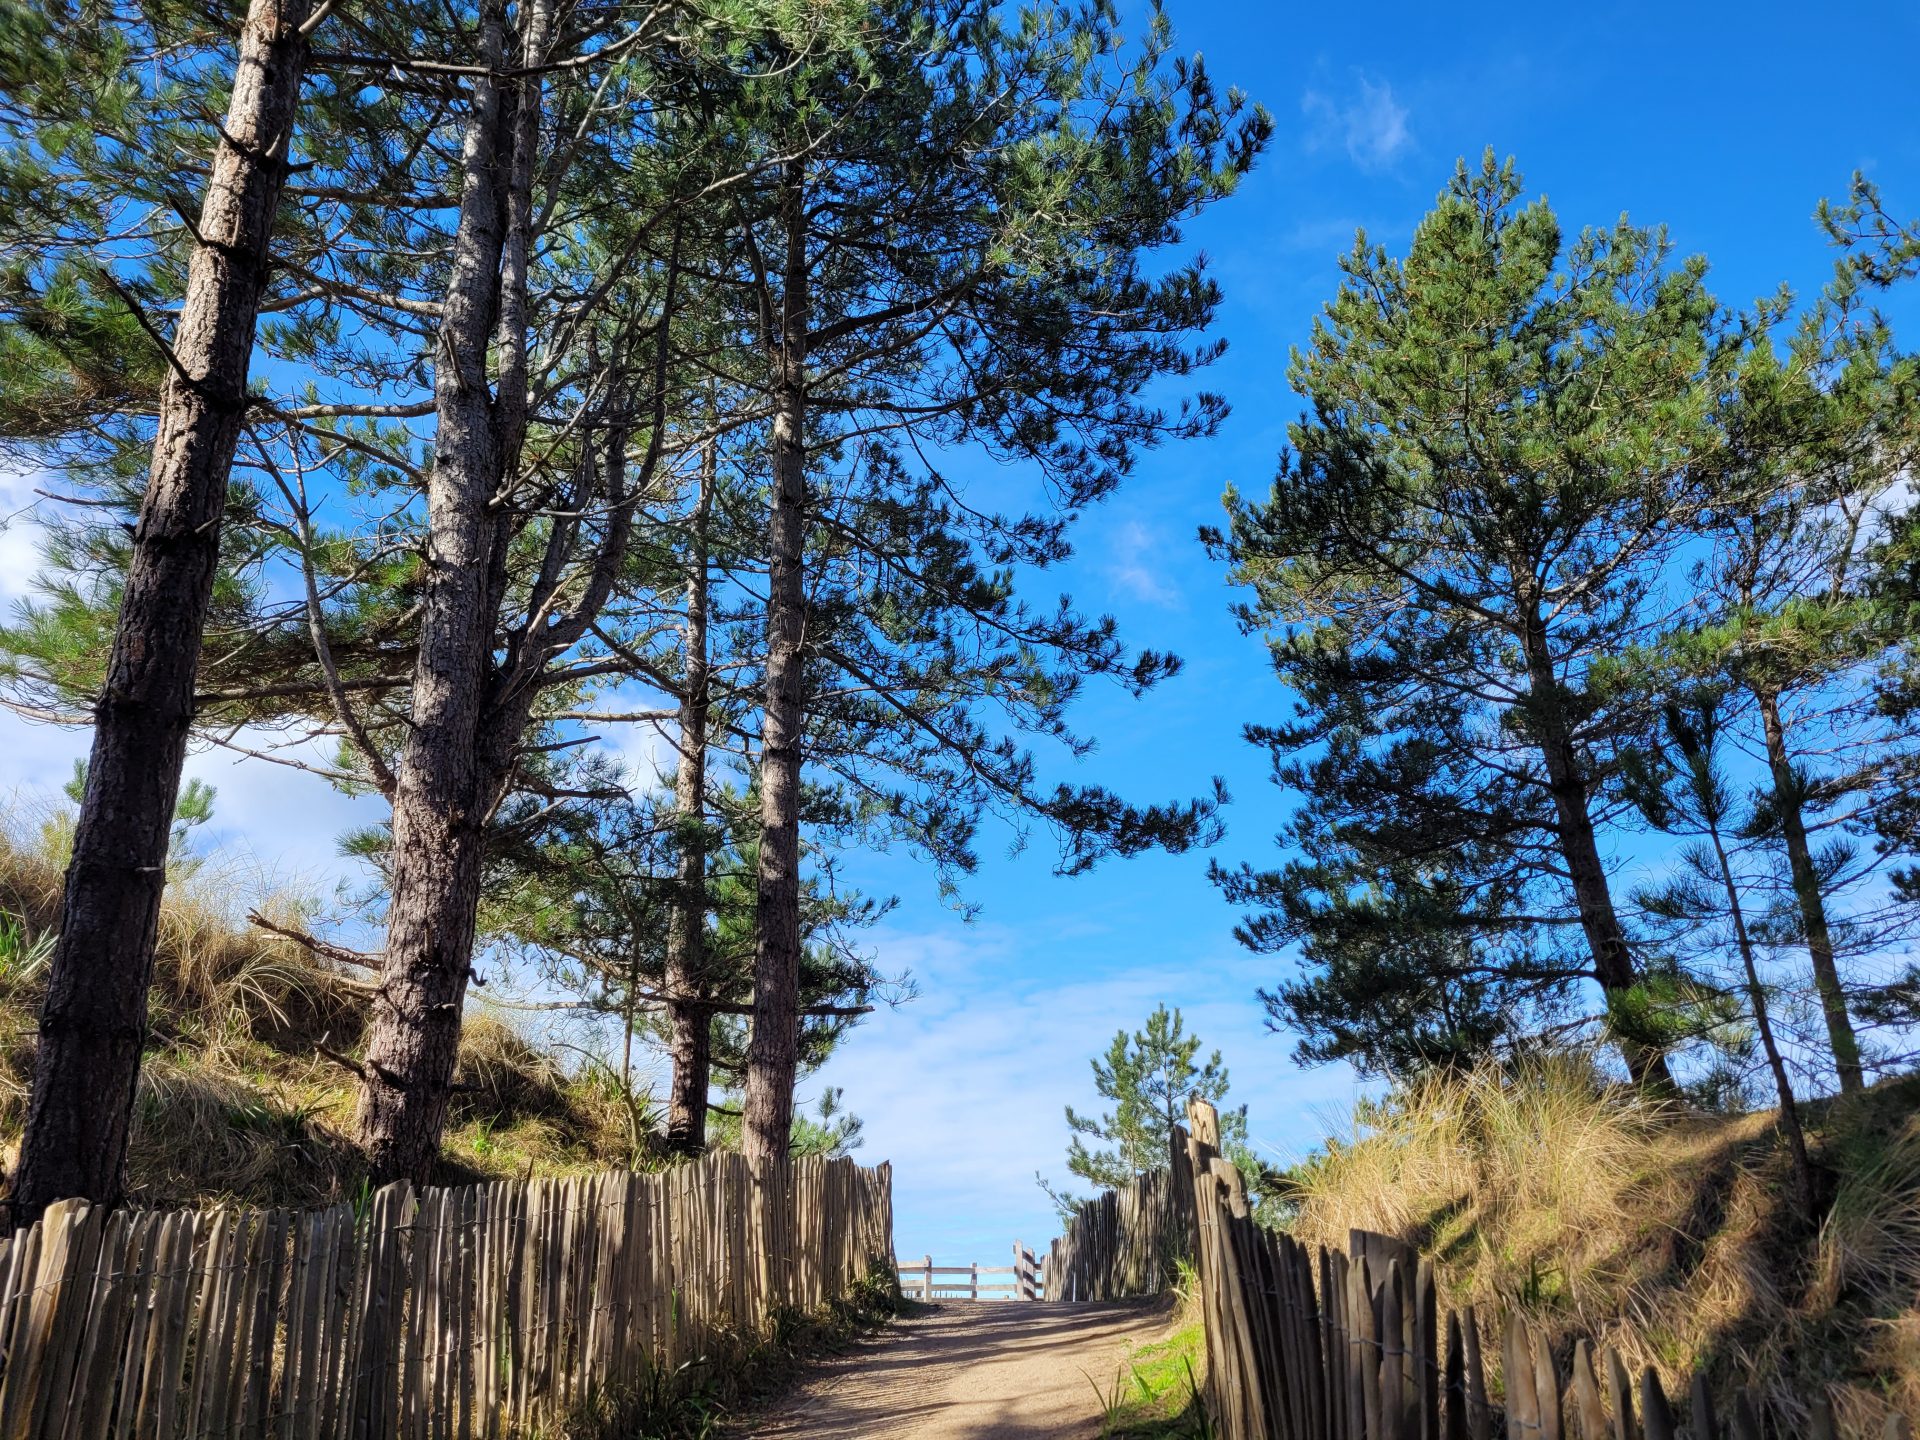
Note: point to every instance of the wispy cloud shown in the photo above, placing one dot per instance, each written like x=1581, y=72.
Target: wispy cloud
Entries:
x=964, y=1088
x=1361, y=117
x=1136, y=565
x=19, y=536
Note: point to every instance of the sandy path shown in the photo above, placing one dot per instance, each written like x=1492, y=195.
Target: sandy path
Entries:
x=971, y=1371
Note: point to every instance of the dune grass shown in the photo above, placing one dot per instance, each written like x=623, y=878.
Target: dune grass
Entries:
x=1668, y=1235
x=237, y=1099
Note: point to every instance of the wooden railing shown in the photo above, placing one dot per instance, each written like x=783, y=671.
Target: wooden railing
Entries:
x=482, y=1311
x=926, y=1281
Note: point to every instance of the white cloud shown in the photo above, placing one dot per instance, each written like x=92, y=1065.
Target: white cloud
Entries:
x=19, y=535
x=283, y=821
x=1363, y=119
x=964, y=1089
x=1136, y=563
x=286, y=820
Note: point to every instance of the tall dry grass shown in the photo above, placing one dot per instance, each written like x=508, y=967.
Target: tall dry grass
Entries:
x=237, y=1098
x=1668, y=1235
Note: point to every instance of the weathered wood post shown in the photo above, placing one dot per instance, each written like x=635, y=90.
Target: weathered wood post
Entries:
x=926, y=1285
x=974, y=1281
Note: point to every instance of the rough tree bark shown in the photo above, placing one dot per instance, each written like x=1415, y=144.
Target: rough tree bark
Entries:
x=1593, y=898
x=470, y=709
x=443, y=791
x=1806, y=891
x=773, y=1052
x=93, y=1025
x=692, y=1039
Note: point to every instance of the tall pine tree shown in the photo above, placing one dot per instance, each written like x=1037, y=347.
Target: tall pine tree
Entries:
x=1509, y=436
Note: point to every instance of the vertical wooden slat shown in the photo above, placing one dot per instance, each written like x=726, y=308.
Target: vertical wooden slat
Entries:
x=467, y=1283
x=1620, y=1391
x=1479, y=1412
x=488, y=1200
x=1365, y=1319
x=1655, y=1414
x=1426, y=1349
x=1393, y=1356
x=1546, y=1388
x=1706, y=1423
x=22, y=1262
x=1592, y=1415
x=1523, y=1405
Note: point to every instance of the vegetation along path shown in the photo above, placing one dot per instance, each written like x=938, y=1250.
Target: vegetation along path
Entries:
x=973, y=1371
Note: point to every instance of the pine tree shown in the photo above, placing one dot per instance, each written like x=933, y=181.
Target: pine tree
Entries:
x=953, y=258
x=93, y=1020
x=1509, y=435
x=1681, y=788
x=1821, y=431
x=1149, y=1075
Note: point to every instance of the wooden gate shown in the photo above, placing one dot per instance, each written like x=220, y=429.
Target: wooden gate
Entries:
x=926, y=1281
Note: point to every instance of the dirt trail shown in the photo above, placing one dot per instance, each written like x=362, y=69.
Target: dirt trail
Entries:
x=972, y=1371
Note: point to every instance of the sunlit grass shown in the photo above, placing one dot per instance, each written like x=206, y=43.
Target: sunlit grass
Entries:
x=1666, y=1234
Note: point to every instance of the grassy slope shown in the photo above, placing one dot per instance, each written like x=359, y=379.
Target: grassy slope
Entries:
x=1671, y=1237
x=1155, y=1395
x=236, y=1100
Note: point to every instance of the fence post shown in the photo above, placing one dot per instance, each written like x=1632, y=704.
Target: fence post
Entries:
x=926, y=1286
x=975, y=1281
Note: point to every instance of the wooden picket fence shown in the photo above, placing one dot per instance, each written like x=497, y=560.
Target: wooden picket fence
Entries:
x=442, y=1314
x=1124, y=1243
x=1315, y=1345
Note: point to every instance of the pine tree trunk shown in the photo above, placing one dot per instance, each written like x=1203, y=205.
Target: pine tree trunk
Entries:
x=686, y=962
x=93, y=1025
x=1806, y=890
x=690, y=1046
x=1763, y=1021
x=1592, y=896
x=449, y=774
x=773, y=1052
x=414, y=1041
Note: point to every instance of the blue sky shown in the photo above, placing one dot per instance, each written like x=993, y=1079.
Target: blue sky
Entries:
x=1726, y=123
